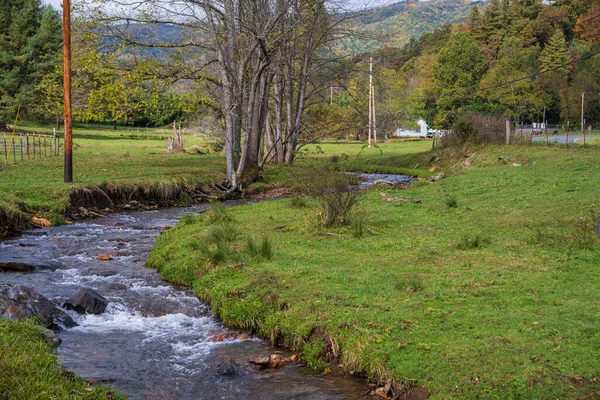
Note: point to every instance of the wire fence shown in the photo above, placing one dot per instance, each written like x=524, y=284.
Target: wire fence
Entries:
x=20, y=146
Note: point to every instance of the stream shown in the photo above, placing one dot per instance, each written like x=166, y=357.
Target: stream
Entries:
x=154, y=339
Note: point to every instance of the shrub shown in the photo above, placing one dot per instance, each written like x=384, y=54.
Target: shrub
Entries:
x=335, y=192
x=476, y=128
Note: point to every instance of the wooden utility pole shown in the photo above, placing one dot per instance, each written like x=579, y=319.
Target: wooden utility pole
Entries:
x=582, y=120
x=545, y=126
x=68, y=175
x=374, y=116
x=370, y=99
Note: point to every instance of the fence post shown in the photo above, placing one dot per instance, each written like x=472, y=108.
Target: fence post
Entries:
x=21, y=136
x=27, y=144
x=14, y=150
x=507, y=131
x=40, y=146
x=45, y=151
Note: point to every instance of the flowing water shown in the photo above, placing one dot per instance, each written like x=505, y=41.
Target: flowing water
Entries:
x=368, y=180
x=154, y=339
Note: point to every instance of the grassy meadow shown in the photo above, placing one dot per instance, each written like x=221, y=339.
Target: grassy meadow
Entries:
x=30, y=369
x=486, y=288
x=100, y=157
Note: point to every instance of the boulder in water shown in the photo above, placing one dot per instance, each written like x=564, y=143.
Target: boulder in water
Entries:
x=12, y=266
x=87, y=301
x=17, y=266
x=228, y=368
x=18, y=302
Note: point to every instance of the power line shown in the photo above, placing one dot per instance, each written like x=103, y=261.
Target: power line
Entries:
x=531, y=76
x=564, y=29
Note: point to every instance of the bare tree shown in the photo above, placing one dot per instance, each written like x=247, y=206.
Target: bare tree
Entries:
x=264, y=49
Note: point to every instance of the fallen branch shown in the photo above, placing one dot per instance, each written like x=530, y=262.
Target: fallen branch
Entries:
x=401, y=200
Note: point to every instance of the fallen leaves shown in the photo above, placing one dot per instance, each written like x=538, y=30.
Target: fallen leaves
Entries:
x=41, y=222
x=272, y=361
x=227, y=336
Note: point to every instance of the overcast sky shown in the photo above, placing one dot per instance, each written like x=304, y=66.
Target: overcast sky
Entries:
x=357, y=3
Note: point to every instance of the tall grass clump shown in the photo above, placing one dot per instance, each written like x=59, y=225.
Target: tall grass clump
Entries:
x=266, y=248
x=187, y=219
x=218, y=254
x=263, y=249
x=251, y=246
x=472, y=242
x=226, y=233
x=585, y=232
x=217, y=213
x=451, y=202
x=336, y=194
x=298, y=202
x=356, y=228
x=312, y=356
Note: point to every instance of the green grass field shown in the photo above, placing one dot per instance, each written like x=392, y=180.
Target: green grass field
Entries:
x=104, y=156
x=487, y=288
x=30, y=369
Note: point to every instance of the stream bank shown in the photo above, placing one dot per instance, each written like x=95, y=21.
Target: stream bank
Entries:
x=154, y=340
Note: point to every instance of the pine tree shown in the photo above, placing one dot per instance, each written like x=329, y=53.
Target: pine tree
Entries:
x=556, y=53
x=554, y=59
x=30, y=38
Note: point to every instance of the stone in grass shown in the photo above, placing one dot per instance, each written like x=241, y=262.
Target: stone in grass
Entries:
x=87, y=301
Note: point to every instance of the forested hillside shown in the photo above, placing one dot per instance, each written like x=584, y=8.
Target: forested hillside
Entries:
x=512, y=59
x=395, y=24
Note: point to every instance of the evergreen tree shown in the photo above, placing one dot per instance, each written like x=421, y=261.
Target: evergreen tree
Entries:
x=554, y=59
x=475, y=24
x=457, y=72
x=556, y=53
x=30, y=38
x=521, y=100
